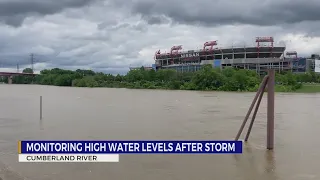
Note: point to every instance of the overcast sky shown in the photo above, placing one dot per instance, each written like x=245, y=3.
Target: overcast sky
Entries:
x=111, y=35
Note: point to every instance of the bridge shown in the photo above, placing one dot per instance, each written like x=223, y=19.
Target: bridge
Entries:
x=11, y=74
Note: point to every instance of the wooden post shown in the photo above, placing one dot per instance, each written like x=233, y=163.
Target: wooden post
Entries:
x=10, y=80
x=255, y=111
x=251, y=107
x=270, y=110
x=40, y=107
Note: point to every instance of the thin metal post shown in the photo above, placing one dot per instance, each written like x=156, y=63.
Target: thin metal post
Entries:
x=255, y=112
x=270, y=110
x=40, y=107
x=251, y=107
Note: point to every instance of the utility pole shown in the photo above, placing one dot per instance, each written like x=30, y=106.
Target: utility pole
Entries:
x=32, y=61
x=17, y=67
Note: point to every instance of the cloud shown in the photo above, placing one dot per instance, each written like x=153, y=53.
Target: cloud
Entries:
x=13, y=12
x=110, y=36
x=222, y=12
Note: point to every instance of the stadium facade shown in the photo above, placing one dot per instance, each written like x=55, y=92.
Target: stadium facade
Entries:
x=261, y=57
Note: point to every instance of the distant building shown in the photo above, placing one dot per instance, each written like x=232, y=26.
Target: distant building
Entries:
x=311, y=63
x=258, y=58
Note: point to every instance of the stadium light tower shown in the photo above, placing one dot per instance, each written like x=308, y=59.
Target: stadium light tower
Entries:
x=263, y=40
x=209, y=44
x=156, y=54
x=175, y=49
x=292, y=53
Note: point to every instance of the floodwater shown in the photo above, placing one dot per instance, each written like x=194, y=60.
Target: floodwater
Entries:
x=122, y=114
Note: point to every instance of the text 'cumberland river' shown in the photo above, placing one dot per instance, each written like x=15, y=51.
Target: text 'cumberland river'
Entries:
x=122, y=114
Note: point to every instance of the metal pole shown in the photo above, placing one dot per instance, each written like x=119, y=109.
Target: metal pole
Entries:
x=40, y=107
x=255, y=112
x=251, y=107
x=270, y=110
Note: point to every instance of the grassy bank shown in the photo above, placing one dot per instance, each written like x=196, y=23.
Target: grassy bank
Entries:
x=305, y=88
x=309, y=88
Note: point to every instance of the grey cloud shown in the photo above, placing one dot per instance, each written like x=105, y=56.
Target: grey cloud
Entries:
x=113, y=36
x=104, y=25
x=12, y=61
x=311, y=28
x=13, y=20
x=139, y=26
x=219, y=12
x=156, y=19
x=13, y=12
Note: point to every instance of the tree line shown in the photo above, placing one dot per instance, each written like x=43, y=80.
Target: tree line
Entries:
x=207, y=78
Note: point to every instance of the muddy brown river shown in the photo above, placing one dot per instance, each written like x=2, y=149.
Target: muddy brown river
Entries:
x=122, y=114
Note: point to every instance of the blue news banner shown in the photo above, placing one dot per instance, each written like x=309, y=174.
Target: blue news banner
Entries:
x=130, y=147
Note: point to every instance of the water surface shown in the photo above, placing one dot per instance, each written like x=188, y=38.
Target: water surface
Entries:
x=122, y=114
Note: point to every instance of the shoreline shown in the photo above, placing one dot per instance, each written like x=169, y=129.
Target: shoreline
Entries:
x=308, y=88
x=207, y=78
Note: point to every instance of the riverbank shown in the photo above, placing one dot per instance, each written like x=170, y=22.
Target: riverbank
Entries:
x=309, y=88
x=205, y=79
x=305, y=88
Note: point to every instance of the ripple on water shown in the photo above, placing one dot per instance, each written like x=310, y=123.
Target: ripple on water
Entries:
x=159, y=115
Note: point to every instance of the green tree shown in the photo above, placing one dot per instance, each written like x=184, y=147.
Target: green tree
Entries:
x=207, y=78
x=27, y=70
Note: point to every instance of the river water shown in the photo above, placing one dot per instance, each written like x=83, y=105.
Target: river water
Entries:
x=122, y=114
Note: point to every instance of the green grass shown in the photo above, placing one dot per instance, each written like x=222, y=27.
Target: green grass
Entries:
x=306, y=88
x=309, y=88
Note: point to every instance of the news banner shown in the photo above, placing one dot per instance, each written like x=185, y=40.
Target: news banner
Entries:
x=109, y=151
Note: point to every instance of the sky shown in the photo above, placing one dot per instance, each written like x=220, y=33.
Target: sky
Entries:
x=111, y=35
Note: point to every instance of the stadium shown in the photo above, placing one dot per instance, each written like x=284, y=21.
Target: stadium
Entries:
x=261, y=57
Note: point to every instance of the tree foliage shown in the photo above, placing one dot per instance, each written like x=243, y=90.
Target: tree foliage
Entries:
x=207, y=78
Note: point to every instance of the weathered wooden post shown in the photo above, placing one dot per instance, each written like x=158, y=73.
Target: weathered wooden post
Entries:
x=40, y=107
x=261, y=89
x=10, y=79
x=269, y=82
x=270, y=110
x=256, y=111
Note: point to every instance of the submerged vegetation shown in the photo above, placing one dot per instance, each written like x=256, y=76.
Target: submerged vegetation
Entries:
x=208, y=78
